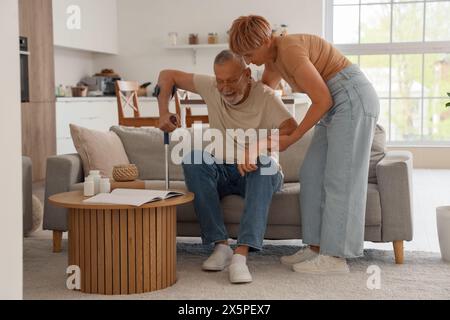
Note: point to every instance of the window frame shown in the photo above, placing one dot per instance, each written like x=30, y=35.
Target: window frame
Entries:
x=393, y=48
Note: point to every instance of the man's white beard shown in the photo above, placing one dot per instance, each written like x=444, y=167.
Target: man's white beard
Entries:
x=238, y=98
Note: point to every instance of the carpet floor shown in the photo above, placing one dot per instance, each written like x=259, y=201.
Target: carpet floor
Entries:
x=423, y=276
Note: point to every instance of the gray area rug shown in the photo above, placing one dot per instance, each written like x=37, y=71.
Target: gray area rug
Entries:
x=423, y=276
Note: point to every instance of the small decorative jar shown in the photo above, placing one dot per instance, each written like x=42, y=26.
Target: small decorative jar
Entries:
x=173, y=36
x=213, y=38
x=193, y=38
x=284, y=30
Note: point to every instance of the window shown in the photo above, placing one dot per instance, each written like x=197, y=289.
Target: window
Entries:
x=403, y=46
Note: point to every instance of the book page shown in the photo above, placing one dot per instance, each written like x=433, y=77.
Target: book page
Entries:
x=109, y=198
x=132, y=197
x=151, y=194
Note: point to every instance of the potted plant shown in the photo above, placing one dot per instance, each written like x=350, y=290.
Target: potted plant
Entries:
x=448, y=103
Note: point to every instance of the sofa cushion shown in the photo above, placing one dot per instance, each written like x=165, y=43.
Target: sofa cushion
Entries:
x=285, y=207
x=98, y=150
x=145, y=148
x=284, y=210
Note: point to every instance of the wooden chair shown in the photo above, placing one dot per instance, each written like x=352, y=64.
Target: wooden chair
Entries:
x=190, y=118
x=126, y=93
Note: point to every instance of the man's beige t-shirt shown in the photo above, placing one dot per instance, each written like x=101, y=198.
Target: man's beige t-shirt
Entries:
x=297, y=49
x=261, y=110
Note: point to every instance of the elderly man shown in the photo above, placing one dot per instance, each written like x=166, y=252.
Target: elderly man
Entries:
x=234, y=101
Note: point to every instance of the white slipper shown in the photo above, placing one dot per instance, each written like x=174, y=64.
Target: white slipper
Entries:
x=238, y=270
x=304, y=254
x=219, y=259
x=323, y=265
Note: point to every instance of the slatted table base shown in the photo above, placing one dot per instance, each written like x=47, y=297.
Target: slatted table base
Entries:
x=123, y=251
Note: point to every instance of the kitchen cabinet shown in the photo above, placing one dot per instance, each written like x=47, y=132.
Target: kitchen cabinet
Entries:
x=38, y=115
x=38, y=135
x=86, y=25
x=35, y=23
x=25, y=18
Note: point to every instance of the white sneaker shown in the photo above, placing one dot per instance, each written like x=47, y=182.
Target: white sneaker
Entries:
x=238, y=269
x=219, y=259
x=322, y=264
x=304, y=254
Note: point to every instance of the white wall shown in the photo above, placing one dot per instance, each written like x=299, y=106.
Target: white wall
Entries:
x=10, y=144
x=72, y=65
x=143, y=27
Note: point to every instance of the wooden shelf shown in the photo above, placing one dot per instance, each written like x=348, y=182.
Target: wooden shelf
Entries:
x=195, y=47
x=198, y=46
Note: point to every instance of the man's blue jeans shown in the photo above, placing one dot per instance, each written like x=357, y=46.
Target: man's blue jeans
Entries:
x=210, y=182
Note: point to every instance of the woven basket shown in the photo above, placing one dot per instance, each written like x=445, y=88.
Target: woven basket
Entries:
x=126, y=172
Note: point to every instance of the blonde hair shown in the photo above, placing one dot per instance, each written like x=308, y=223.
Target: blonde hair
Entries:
x=248, y=33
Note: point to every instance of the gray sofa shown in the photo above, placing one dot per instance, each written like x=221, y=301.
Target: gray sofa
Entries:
x=389, y=198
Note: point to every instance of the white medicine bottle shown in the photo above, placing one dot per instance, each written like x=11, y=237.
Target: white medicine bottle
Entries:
x=88, y=187
x=105, y=185
x=95, y=174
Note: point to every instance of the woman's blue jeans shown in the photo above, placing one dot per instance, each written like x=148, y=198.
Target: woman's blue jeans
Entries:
x=334, y=175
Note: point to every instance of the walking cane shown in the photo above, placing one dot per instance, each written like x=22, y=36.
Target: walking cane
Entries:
x=173, y=119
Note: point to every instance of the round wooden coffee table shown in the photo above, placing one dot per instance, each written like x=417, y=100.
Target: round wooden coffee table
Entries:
x=122, y=249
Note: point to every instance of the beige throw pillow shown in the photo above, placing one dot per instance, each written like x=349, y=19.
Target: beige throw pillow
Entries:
x=98, y=150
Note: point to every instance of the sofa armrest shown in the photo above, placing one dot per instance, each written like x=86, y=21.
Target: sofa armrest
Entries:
x=62, y=172
x=394, y=174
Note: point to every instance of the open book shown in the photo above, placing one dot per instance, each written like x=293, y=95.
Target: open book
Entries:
x=132, y=197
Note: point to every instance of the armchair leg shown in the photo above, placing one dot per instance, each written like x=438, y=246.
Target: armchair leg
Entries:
x=398, y=251
x=57, y=240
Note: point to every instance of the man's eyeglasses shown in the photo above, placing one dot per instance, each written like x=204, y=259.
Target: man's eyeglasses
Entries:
x=231, y=83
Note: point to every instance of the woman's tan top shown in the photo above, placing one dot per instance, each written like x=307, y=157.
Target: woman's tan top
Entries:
x=296, y=49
